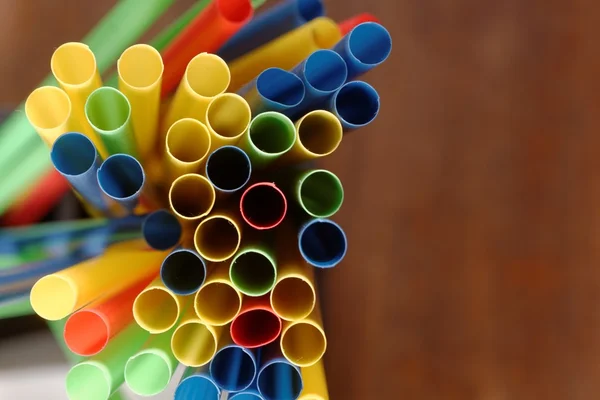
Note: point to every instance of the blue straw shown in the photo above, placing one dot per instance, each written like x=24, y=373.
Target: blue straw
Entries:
x=161, y=230
x=75, y=157
x=322, y=243
x=274, y=89
x=248, y=394
x=277, y=378
x=269, y=25
x=228, y=169
x=356, y=105
x=364, y=47
x=196, y=383
x=121, y=178
x=183, y=271
x=233, y=368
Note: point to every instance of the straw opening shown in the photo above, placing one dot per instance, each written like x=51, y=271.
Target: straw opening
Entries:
x=235, y=11
x=322, y=243
x=320, y=132
x=147, y=373
x=86, y=333
x=321, y=193
x=53, y=297
x=191, y=196
x=246, y=396
x=73, y=154
x=217, y=238
x=228, y=168
x=183, y=272
x=253, y=273
x=303, y=344
x=225, y=375
x=188, y=140
x=280, y=86
x=207, y=75
x=193, y=344
x=217, y=303
x=193, y=385
x=271, y=376
x=263, y=206
x=73, y=64
x=370, y=43
x=293, y=298
x=161, y=230
x=156, y=310
x=325, y=70
x=48, y=107
x=228, y=115
x=121, y=176
x=140, y=66
x=244, y=330
x=357, y=103
x=272, y=133
x=107, y=109
x=88, y=381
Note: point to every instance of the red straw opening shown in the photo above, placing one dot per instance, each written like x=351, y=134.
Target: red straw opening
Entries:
x=235, y=10
x=86, y=333
x=255, y=328
x=263, y=206
x=349, y=24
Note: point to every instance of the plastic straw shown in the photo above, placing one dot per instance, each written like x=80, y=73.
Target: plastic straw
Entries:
x=349, y=24
x=227, y=119
x=303, y=342
x=161, y=230
x=319, y=192
x=269, y=136
x=194, y=342
x=218, y=301
x=149, y=371
x=217, y=237
x=75, y=157
x=315, y=382
x=121, y=178
x=191, y=197
x=164, y=38
x=57, y=295
x=277, y=379
x=48, y=110
x=157, y=309
x=293, y=297
x=228, y=169
x=286, y=51
x=365, y=47
x=97, y=377
x=233, y=368
x=187, y=146
x=205, y=33
x=322, y=73
x=253, y=270
x=274, y=89
x=140, y=70
x=256, y=325
x=249, y=394
x=263, y=206
x=183, y=272
x=356, y=105
x=109, y=113
x=18, y=306
x=322, y=243
x=269, y=25
x=196, y=383
x=88, y=331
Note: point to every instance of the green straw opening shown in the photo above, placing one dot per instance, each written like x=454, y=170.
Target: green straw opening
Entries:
x=321, y=193
x=253, y=272
x=88, y=381
x=147, y=373
x=272, y=133
x=107, y=109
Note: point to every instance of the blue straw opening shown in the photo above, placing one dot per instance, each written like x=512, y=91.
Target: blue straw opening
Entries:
x=183, y=272
x=245, y=396
x=228, y=168
x=370, y=43
x=322, y=243
x=197, y=387
x=310, y=9
x=73, y=154
x=357, y=103
x=121, y=176
x=280, y=86
x=280, y=381
x=161, y=230
x=325, y=70
x=233, y=368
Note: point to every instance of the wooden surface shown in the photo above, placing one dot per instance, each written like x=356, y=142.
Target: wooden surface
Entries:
x=472, y=203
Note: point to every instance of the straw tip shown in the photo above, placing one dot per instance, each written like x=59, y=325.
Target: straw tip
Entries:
x=53, y=298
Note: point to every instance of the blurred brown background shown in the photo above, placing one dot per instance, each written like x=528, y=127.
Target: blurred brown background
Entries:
x=473, y=201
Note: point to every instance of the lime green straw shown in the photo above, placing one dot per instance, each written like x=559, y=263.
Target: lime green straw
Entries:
x=319, y=192
x=253, y=270
x=17, y=308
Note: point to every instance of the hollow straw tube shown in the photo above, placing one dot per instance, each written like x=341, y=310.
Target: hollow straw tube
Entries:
x=269, y=136
x=217, y=238
x=248, y=394
x=89, y=330
x=227, y=119
x=256, y=325
x=365, y=47
x=187, y=146
x=74, y=67
x=161, y=230
x=318, y=192
x=156, y=308
x=277, y=379
x=205, y=33
x=269, y=25
x=218, y=301
x=140, y=70
x=322, y=243
x=319, y=133
x=183, y=272
x=228, y=169
x=315, y=382
x=121, y=178
x=149, y=371
x=286, y=51
x=349, y=24
x=98, y=377
x=75, y=157
x=57, y=295
x=109, y=113
x=194, y=342
x=274, y=89
x=356, y=105
x=253, y=270
x=322, y=73
x=196, y=383
x=166, y=36
x=263, y=206
x=191, y=197
x=233, y=367
x=303, y=343
x=48, y=110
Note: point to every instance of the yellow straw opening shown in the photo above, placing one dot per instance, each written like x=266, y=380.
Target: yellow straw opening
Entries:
x=53, y=297
x=140, y=66
x=217, y=303
x=191, y=196
x=156, y=310
x=48, y=107
x=207, y=75
x=229, y=115
x=303, y=343
x=73, y=64
x=194, y=344
x=188, y=140
x=320, y=132
x=293, y=298
x=217, y=238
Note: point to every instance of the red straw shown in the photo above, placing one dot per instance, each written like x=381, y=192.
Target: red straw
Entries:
x=206, y=33
x=263, y=206
x=88, y=330
x=256, y=325
x=349, y=24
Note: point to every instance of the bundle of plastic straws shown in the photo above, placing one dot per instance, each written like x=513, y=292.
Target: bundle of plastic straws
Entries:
x=197, y=161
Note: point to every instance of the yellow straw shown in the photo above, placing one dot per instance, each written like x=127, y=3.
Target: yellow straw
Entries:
x=187, y=146
x=227, y=118
x=48, y=110
x=293, y=296
x=218, y=237
x=194, y=342
x=156, y=309
x=218, y=302
x=191, y=197
x=315, y=382
x=304, y=342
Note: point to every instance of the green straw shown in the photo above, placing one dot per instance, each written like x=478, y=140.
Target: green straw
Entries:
x=269, y=136
x=319, y=192
x=253, y=270
x=99, y=376
x=18, y=308
x=109, y=113
x=149, y=371
x=168, y=34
